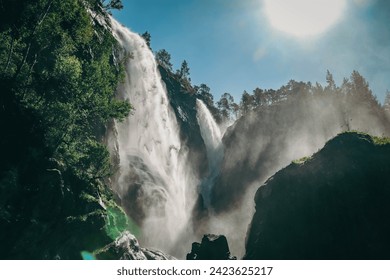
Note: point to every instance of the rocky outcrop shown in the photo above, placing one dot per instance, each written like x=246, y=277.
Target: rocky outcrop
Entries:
x=266, y=140
x=183, y=102
x=334, y=205
x=212, y=247
x=126, y=247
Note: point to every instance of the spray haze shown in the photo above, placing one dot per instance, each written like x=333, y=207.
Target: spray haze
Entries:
x=156, y=181
x=211, y=135
x=153, y=183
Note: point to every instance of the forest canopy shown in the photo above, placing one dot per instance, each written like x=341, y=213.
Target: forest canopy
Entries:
x=58, y=80
x=56, y=68
x=353, y=91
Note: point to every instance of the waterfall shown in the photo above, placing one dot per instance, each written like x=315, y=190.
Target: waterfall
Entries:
x=153, y=182
x=212, y=138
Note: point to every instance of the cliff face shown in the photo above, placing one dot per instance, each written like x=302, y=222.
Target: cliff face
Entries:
x=265, y=140
x=333, y=205
x=183, y=103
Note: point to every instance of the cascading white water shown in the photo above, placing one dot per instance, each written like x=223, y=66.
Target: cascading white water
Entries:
x=153, y=162
x=212, y=138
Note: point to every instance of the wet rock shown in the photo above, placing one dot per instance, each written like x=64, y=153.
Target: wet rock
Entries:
x=126, y=247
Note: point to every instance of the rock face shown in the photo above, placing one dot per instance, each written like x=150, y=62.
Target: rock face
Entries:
x=182, y=99
x=183, y=102
x=126, y=247
x=334, y=205
x=213, y=247
x=263, y=141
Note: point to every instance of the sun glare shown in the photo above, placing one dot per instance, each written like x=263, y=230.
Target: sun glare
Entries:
x=303, y=18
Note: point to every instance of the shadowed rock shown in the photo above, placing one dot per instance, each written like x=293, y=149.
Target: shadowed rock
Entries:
x=213, y=247
x=333, y=205
x=126, y=247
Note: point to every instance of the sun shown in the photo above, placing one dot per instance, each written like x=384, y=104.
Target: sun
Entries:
x=303, y=18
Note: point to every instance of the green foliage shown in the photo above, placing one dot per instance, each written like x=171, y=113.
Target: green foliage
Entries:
x=378, y=141
x=58, y=78
x=227, y=107
x=203, y=92
x=330, y=83
x=115, y=4
x=62, y=71
x=301, y=160
x=117, y=222
x=164, y=59
x=246, y=102
x=353, y=93
x=184, y=71
x=146, y=36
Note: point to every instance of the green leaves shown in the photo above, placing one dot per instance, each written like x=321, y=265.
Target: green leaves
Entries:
x=117, y=222
x=68, y=69
x=58, y=80
x=67, y=77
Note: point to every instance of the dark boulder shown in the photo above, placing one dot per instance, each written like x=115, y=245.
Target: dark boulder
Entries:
x=333, y=205
x=213, y=247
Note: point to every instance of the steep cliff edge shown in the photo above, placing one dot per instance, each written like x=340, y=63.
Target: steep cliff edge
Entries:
x=182, y=99
x=333, y=205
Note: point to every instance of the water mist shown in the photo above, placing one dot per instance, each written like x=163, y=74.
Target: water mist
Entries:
x=212, y=138
x=154, y=183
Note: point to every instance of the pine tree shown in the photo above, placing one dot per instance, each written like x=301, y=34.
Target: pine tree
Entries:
x=146, y=36
x=246, y=102
x=226, y=106
x=164, y=59
x=330, y=83
x=361, y=91
x=184, y=71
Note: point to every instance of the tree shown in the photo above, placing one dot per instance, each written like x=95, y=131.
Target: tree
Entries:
x=58, y=81
x=330, y=83
x=146, y=36
x=113, y=4
x=203, y=93
x=246, y=102
x=184, y=71
x=58, y=67
x=259, y=98
x=235, y=110
x=226, y=106
x=345, y=88
x=164, y=59
x=360, y=90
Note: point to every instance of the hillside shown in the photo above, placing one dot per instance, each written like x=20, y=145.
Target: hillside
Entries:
x=333, y=205
x=58, y=77
x=269, y=137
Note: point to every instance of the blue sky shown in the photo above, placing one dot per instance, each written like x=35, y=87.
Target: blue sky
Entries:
x=231, y=46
